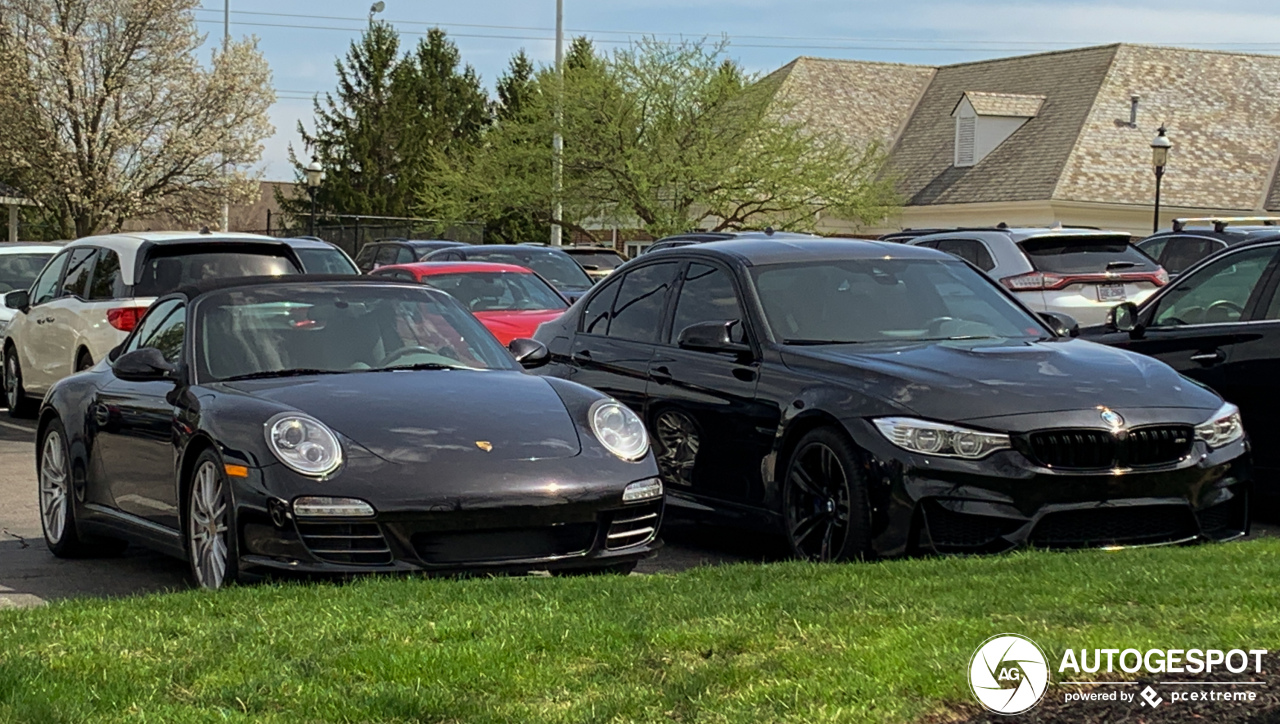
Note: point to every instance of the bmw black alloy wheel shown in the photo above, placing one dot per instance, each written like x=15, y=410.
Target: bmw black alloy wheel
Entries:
x=677, y=448
x=824, y=504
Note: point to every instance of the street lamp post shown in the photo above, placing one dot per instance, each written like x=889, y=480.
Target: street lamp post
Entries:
x=557, y=140
x=1159, y=157
x=315, y=175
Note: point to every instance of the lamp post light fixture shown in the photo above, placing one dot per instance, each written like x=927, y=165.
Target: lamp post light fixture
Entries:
x=1160, y=146
x=315, y=175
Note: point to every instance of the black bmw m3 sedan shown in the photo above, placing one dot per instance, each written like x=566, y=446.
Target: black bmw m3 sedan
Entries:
x=339, y=425
x=869, y=398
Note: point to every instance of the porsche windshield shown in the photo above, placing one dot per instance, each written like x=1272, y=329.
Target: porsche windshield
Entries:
x=884, y=300
x=280, y=330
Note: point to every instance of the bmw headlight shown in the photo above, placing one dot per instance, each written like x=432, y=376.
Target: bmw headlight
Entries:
x=1223, y=428
x=304, y=444
x=619, y=429
x=935, y=438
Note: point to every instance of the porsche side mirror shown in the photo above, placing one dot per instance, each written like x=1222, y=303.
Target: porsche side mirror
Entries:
x=1063, y=325
x=1123, y=317
x=711, y=337
x=144, y=365
x=19, y=299
x=530, y=353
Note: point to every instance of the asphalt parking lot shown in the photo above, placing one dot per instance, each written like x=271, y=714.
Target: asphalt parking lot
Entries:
x=31, y=575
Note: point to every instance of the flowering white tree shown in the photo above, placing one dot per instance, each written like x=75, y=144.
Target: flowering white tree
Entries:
x=107, y=112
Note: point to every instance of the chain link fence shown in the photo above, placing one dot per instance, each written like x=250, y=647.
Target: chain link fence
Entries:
x=351, y=231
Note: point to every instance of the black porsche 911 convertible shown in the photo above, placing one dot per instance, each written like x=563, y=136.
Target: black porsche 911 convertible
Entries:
x=320, y=424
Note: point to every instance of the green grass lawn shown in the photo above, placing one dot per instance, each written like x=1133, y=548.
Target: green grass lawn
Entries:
x=882, y=642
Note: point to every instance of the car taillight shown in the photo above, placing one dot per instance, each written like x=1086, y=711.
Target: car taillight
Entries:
x=125, y=318
x=1049, y=281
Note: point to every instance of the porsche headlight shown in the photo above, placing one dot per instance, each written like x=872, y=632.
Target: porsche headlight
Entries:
x=1223, y=428
x=304, y=444
x=935, y=438
x=619, y=429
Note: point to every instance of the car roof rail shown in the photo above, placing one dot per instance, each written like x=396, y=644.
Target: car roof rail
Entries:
x=1220, y=223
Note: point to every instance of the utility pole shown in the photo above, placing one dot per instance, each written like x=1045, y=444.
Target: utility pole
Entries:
x=226, y=42
x=557, y=141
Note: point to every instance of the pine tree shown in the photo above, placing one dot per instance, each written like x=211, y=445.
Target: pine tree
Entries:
x=515, y=88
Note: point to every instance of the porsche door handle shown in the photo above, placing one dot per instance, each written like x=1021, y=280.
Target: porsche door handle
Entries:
x=661, y=375
x=1209, y=358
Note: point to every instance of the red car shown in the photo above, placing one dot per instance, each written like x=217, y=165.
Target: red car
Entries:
x=511, y=301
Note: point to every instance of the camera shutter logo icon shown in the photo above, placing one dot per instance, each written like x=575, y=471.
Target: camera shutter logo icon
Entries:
x=1008, y=674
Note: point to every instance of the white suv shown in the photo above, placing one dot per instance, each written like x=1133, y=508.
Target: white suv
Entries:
x=90, y=296
x=1082, y=273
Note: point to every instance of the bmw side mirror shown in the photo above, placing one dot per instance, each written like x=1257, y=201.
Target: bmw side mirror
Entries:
x=19, y=299
x=711, y=337
x=144, y=365
x=530, y=353
x=1063, y=325
x=1123, y=318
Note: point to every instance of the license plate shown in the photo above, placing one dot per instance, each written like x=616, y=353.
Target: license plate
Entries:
x=1111, y=293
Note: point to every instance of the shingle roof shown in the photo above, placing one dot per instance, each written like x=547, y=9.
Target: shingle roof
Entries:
x=855, y=99
x=1004, y=104
x=1027, y=165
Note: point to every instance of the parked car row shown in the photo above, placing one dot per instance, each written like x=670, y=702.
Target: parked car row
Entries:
x=861, y=398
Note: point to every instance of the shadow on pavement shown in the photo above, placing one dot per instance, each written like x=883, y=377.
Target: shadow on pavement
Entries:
x=30, y=574
x=689, y=544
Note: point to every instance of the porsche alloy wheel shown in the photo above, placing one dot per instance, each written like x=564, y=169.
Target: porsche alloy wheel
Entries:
x=824, y=501
x=55, y=487
x=677, y=447
x=209, y=542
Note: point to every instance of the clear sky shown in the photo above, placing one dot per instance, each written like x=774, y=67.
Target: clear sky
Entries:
x=302, y=38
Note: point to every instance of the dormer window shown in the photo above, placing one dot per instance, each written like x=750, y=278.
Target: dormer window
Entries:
x=986, y=120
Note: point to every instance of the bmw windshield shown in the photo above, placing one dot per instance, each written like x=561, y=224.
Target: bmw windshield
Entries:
x=887, y=300
x=283, y=330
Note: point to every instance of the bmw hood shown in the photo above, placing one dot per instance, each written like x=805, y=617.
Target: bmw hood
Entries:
x=976, y=379
x=433, y=416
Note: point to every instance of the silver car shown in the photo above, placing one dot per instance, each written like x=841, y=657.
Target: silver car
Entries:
x=1082, y=273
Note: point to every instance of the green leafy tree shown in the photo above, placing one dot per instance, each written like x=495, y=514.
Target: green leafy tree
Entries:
x=668, y=137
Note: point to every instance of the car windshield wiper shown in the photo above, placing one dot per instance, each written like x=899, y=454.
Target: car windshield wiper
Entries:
x=299, y=372
x=815, y=342
x=424, y=366
x=1121, y=265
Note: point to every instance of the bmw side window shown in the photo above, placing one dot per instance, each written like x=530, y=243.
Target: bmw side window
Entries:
x=45, y=286
x=150, y=323
x=637, y=312
x=79, y=266
x=1216, y=294
x=595, y=318
x=106, y=283
x=707, y=295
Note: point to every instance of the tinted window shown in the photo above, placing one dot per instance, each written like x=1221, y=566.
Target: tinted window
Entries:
x=325, y=261
x=46, y=286
x=1085, y=254
x=168, y=333
x=971, y=250
x=79, y=265
x=405, y=255
x=494, y=291
x=162, y=275
x=598, y=259
x=599, y=309
x=885, y=300
x=150, y=323
x=1180, y=252
x=106, y=283
x=422, y=251
x=706, y=296
x=17, y=271
x=637, y=312
x=365, y=258
x=554, y=266
x=281, y=327
x=1217, y=293
x=386, y=255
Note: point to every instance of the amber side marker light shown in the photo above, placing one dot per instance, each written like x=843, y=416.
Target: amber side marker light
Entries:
x=236, y=471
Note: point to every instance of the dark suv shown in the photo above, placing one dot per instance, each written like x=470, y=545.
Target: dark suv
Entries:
x=1191, y=240
x=398, y=251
